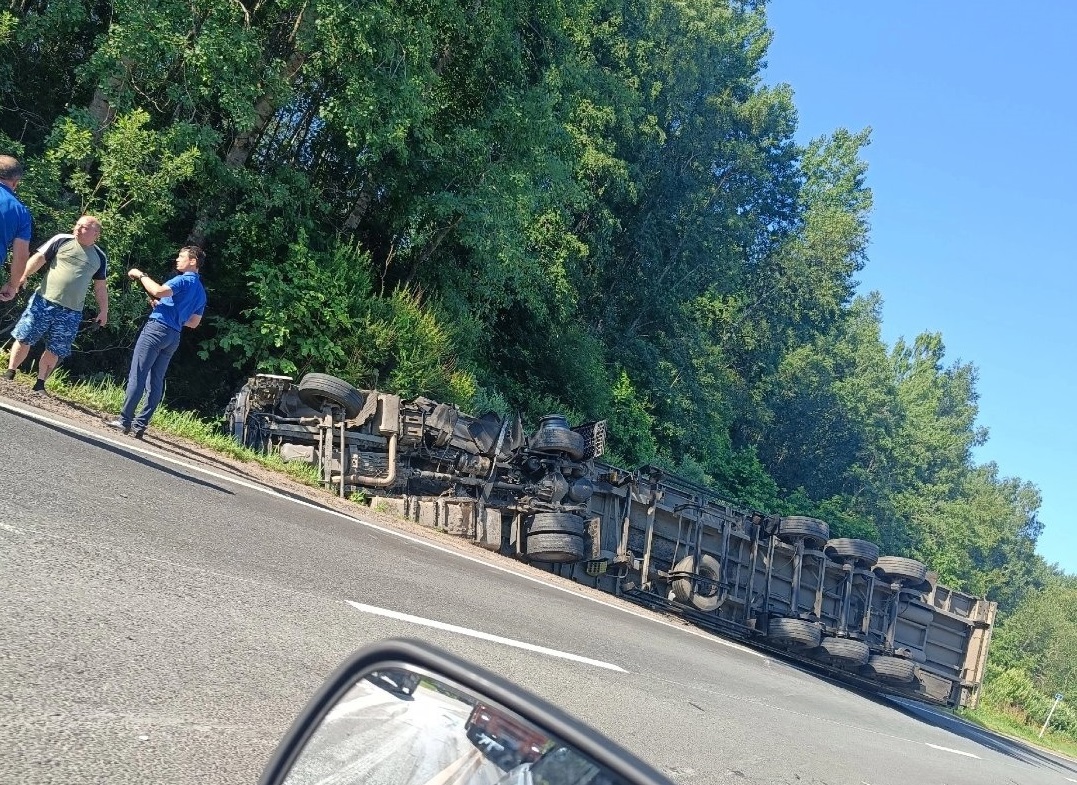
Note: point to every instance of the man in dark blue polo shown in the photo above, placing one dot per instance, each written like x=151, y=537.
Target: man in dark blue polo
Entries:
x=15, y=227
x=179, y=302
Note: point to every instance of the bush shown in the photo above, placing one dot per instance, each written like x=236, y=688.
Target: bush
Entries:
x=1013, y=689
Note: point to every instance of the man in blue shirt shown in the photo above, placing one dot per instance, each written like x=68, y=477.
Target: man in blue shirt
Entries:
x=179, y=302
x=15, y=227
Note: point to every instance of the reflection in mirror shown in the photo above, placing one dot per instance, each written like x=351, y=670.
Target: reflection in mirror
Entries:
x=400, y=726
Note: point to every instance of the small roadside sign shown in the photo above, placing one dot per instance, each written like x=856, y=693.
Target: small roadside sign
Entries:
x=1058, y=696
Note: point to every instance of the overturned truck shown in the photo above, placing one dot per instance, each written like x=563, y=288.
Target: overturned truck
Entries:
x=778, y=582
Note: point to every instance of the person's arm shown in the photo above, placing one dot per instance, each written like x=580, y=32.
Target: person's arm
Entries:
x=32, y=265
x=100, y=293
x=20, y=252
x=194, y=321
x=153, y=289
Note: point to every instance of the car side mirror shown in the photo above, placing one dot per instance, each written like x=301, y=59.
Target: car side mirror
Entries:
x=405, y=713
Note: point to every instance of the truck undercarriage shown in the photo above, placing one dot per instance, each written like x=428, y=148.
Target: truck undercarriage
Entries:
x=782, y=583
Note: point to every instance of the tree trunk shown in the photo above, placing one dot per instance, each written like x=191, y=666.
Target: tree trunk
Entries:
x=239, y=151
x=362, y=204
x=100, y=108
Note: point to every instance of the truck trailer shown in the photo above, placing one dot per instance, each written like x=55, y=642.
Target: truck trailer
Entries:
x=780, y=583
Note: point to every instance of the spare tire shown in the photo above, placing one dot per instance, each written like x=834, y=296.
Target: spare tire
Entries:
x=796, y=632
x=317, y=389
x=844, y=650
x=555, y=547
x=795, y=527
x=908, y=572
x=557, y=523
x=560, y=440
x=892, y=669
x=843, y=549
x=708, y=595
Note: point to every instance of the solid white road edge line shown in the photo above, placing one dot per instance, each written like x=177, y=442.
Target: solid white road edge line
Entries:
x=440, y=625
x=126, y=444
x=955, y=752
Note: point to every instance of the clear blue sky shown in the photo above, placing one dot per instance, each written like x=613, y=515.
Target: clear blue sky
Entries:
x=973, y=167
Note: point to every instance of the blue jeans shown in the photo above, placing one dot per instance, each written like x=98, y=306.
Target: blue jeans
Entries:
x=153, y=351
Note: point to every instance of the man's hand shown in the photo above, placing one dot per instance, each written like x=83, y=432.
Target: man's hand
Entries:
x=101, y=319
x=8, y=292
x=134, y=273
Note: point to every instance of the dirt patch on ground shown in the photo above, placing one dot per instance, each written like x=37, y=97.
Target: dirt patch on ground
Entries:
x=19, y=395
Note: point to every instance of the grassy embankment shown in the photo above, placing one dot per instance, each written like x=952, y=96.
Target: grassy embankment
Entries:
x=107, y=397
x=1011, y=722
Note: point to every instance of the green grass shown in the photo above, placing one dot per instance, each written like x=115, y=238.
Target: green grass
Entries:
x=104, y=395
x=1011, y=723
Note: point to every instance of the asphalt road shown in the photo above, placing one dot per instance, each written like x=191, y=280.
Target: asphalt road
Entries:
x=164, y=623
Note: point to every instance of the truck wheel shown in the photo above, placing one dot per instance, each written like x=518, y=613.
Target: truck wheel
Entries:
x=557, y=523
x=859, y=552
x=795, y=632
x=317, y=389
x=892, y=669
x=551, y=547
x=795, y=527
x=708, y=594
x=560, y=440
x=844, y=650
x=909, y=572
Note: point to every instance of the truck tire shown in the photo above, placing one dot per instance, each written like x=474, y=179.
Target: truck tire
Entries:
x=845, y=651
x=555, y=547
x=909, y=572
x=796, y=632
x=317, y=389
x=709, y=596
x=557, y=523
x=560, y=440
x=893, y=669
x=859, y=552
x=796, y=527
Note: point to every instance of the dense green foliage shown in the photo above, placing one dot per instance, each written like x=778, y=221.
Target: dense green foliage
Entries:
x=1034, y=656
x=588, y=206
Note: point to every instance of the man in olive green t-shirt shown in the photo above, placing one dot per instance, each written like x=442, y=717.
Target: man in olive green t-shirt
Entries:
x=72, y=263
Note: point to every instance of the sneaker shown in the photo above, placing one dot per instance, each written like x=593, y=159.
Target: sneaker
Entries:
x=119, y=425
x=139, y=434
x=39, y=386
x=9, y=374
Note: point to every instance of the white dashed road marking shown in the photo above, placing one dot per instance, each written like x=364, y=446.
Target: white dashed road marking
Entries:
x=440, y=625
x=11, y=529
x=955, y=752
